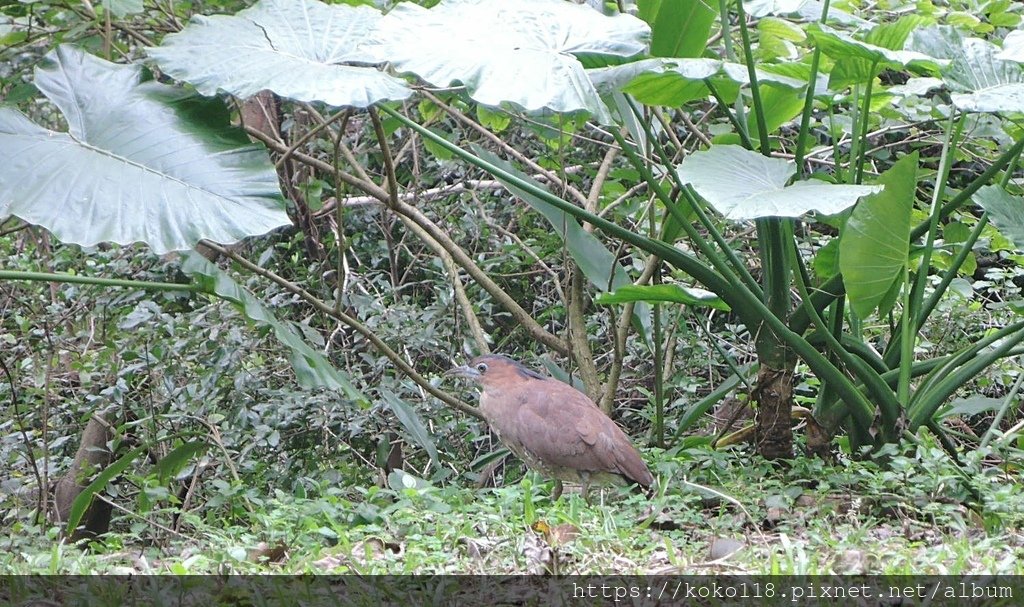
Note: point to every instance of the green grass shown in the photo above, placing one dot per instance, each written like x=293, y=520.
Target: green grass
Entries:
x=914, y=515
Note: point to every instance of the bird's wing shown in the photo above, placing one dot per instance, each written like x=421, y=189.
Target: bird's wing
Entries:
x=564, y=428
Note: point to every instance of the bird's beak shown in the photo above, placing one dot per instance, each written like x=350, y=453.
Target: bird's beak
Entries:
x=463, y=371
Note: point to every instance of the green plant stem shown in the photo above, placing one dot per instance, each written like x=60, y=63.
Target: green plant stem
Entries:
x=945, y=162
x=855, y=143
x=960, y=369
x=772, y=235
x=659, y=372
x=389, y=167
x=755, y=89
x=698, y=208
x=740, y=126
x=907, y=331
x=723, y=19
x=101, y=282
x=965, y=194
x=865, y=121
x=805, y=117
x=868, y=376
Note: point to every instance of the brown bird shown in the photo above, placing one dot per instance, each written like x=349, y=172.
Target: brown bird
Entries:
x=553, y=427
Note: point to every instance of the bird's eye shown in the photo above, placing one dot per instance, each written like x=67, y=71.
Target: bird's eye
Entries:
x=481, y=367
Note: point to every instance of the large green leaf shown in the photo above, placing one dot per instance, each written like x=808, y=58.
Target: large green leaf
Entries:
x=679, y=28
x=522, y=52
x=300, y=49
x=744, y=185
x=312, y=369
x=842, y=46
x=971, y=405
x=808, y=10
x=141, y=161
x=1005, y=210
x=875, y=242
x=980, y=81
x=670, y=293
x=857, y=69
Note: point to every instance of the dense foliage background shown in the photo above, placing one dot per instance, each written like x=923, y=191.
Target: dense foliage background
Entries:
x=279, y=402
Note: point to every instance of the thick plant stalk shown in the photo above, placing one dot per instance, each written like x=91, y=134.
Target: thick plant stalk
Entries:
x=92, y=455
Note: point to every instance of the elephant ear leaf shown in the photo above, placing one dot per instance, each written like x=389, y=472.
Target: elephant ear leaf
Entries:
x=304, y=50
x=1005, y=210
x=141, y=161
x=744, y=185
x=874, y=247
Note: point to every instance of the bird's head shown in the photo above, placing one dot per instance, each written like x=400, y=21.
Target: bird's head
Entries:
x=491, y=368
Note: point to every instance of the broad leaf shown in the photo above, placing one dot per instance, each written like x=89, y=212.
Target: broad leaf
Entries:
x=809, y=10
x=1013, y=47
x=875, y=242
x=1006, y=212
x=744, y=185
x=979, y=80
x=671, y=293
x=412, y=423
x=522, y=52
x=839, y=45
x=858, y=69
x=300, y=49
x=141, y=161
x=679, y=28
x=312, y=369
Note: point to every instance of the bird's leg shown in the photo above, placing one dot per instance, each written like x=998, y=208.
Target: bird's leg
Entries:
x=585, y=480
x=557, y=491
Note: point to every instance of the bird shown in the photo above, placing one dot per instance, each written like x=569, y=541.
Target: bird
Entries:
x=553, y=427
